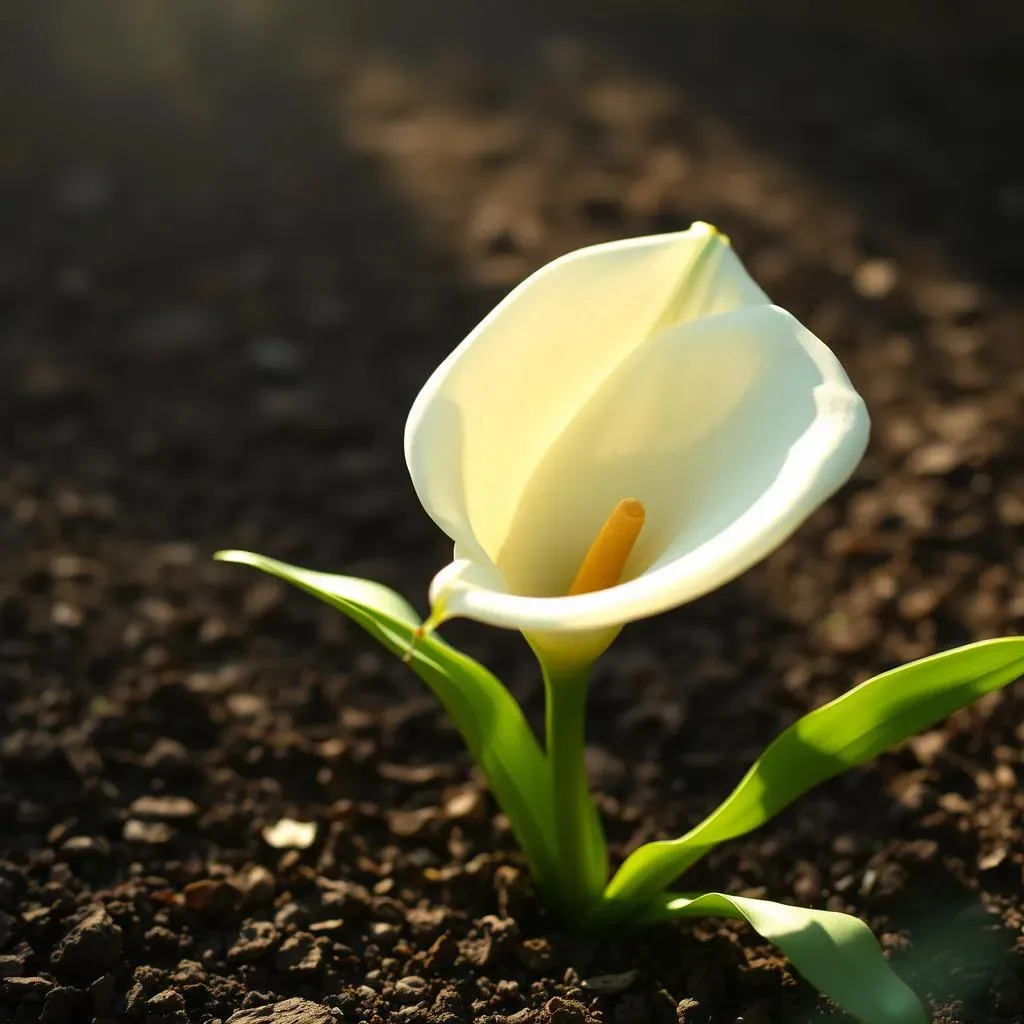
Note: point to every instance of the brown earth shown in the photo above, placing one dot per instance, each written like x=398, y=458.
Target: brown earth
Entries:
x=235, y=239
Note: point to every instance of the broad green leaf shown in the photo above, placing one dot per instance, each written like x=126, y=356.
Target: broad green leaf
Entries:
x=836, y=953
x=485, y=713
x=867, y=720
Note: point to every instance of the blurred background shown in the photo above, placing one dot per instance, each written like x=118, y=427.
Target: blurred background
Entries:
x=235, y=238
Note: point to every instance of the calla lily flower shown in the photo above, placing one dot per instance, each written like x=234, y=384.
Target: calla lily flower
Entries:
x=653, y=370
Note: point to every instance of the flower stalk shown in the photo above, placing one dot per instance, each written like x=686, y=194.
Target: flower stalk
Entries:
x=579, y=838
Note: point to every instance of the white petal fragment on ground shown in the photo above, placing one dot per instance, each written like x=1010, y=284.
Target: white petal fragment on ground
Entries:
x=288, y=834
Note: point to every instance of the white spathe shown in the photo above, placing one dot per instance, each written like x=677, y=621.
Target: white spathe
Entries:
x=652, y=368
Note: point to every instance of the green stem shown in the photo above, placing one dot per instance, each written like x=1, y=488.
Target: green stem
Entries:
x=581, y=851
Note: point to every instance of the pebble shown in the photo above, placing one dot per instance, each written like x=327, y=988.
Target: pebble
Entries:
x=464, y=804
x=411, y=823
x=255, y=940
x=287, y=1011
x=67, y=615
x=299, y=954
x=62, y=1003
x=565, y=1011
x=167, y=1002
x=411, y=989
x=331, y=926
x=257, y=884
x=290, y=834
x=875, y=278
x=443, y=952
x=611, y=984
x=166, y=756
x=164, y=808
x=492, y=938
x=211, y=895
x=536, y=954
x=91, y=947
x=25, y=990
x=11, y=965
x=85, y=847
x=153, y=833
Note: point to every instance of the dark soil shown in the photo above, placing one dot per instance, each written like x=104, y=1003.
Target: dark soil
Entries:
x=234, y=240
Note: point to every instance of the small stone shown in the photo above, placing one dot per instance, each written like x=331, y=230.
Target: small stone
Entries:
x=257, y=884
x=164, y=808
x=287, y=1011
x=343, y=897
x=152, y=833
x=992, y=859
x=290, y=916
x=288, y=834
x=85, y=848
x=161, y=940
x=331, y=926
x=411, y=823
x=927, y=745
x=536, y=954
x=524, y=1016
x=565, y=1011
x=67, y=615
x=443, y=952
x=91, y=947
x=464, y=804
x=955, y=803
x=255, y=940
x=168, y=1003
x=211, y=895
x=490, y=940
x=25, y=990
x=12, y=965
x=413, y=774
x=166, y=756
x=61, y=1004
x=611, y=984
x=935, y=459
x=427, y=921
x=411, y=989
x=299, y=954
x=188, y=972
x=876, y=278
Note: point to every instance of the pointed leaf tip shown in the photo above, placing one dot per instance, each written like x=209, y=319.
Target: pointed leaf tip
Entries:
x=836, y=953
x=485, y=713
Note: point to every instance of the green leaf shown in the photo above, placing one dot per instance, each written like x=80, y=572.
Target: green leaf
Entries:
x=867, y=720
x=836, y=953
x=485, y=713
